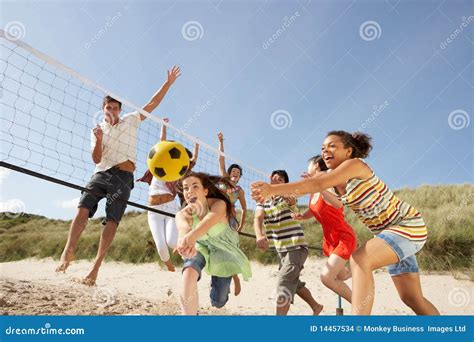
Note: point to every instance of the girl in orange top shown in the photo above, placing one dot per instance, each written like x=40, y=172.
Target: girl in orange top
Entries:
x=339, y=240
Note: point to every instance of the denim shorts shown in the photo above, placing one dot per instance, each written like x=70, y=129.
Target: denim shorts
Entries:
x=405, y=249
x=220, y=286
x=234, y=224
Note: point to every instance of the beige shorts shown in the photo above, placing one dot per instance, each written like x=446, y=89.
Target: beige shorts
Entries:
x=291, y=265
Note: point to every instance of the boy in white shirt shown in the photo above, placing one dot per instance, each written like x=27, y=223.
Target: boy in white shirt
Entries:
x=113, y=145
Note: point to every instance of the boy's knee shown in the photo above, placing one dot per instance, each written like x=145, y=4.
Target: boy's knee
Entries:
x=82, y=215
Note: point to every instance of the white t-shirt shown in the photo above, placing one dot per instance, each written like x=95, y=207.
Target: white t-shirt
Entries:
x=158, y=187
x=119, y=142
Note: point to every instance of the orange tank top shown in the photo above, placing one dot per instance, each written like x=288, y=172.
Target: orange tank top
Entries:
x=332, y=220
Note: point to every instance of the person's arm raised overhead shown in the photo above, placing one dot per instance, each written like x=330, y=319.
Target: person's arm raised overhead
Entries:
x=160, y=94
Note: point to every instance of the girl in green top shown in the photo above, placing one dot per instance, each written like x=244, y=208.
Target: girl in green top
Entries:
x=206, y=241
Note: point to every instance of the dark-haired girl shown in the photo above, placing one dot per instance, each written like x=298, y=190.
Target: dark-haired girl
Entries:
x=399, y=229
x=339, y=240
x=206, y=241
x=234, y=192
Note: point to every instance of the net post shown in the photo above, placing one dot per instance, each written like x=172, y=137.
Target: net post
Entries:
x=339, y=309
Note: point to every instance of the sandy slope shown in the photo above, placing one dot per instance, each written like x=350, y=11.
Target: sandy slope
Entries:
x=31, y=287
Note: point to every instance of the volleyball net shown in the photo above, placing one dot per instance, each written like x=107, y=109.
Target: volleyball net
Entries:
x=48, y=112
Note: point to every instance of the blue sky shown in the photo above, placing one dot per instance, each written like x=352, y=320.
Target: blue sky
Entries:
x=400, y=71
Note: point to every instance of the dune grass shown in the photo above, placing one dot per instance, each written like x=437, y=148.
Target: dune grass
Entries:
x=448, y=211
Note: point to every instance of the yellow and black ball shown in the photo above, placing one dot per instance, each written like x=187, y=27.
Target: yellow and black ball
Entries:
x=168, y=161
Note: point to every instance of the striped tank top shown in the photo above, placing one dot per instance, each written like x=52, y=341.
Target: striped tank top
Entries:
x=380, y=210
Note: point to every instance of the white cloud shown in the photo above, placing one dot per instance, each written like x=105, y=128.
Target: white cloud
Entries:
x=68, y=204
x=4, y=173
x=15, y=205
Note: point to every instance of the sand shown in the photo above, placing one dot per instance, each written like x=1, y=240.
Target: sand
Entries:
x=31, y=287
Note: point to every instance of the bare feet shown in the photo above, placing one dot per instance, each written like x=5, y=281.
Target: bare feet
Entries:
x=66, y=259
x=90, y=279
x=317, y=309
x=237, y=287
x=170, y=266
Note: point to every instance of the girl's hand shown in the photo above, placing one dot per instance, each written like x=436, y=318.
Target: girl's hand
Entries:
x=260, y=191
x=188, y=253
x=297, y=216
x=305, y=175
x=220, y=136
x=262, y=243
x=194, y=208
x=186, y=247
x=290, y=200
x=186, y=241
x=189, y=239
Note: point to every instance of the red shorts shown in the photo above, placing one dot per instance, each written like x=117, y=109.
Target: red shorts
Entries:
x=343, y=248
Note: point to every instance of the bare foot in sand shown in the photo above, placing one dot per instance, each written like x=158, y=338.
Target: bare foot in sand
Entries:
x=90, y=279
x=170, y=266
x=66, y=259
x=317, y=309
x=237, y=287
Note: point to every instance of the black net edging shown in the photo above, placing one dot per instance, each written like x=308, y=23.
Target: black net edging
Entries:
x=77, y=187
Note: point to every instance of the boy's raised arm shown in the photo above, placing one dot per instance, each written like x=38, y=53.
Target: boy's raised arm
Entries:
x=160, y=94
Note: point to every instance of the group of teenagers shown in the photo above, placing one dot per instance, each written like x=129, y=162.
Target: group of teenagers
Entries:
x=203, y=227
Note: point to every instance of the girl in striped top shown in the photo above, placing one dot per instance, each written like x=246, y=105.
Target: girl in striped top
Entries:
x=399, y=229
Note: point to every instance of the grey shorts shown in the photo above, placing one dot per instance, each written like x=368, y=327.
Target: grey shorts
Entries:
x=113, y=184
x=291, y=265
